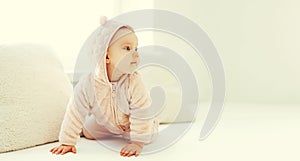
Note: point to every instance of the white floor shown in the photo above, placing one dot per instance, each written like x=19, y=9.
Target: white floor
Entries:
x=245, y=133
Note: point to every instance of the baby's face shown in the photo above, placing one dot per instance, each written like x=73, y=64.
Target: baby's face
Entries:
x=123, y=54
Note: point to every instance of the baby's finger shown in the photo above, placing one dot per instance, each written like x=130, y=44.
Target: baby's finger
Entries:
x=137, y=153
x=53, y=150
x=121, y=153
x=130, y=153
x=59, y=150
x=64, y=151
x=74, y=150
x=123, y=149
x=124, y=154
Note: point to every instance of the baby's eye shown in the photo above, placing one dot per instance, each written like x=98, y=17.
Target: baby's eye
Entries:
x=136, y=49
x=127, y=48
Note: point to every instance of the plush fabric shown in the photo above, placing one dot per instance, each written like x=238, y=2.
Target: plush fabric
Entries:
x=34, y=92
x=119, y=106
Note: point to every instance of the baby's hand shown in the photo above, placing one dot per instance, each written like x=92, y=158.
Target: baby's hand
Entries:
x=135, y=148
x=63, y=149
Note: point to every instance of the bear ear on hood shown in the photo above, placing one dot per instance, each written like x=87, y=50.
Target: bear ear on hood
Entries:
x=103, y=20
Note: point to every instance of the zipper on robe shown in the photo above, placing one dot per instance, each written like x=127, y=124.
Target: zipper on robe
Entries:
x=114, y=108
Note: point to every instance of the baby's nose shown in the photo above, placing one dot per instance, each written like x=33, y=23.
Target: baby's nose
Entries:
x=135, y=55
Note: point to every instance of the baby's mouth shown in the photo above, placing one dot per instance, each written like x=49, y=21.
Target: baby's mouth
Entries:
x=133, y=62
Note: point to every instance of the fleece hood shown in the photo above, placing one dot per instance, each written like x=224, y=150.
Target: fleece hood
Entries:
x=94, y=88
x=95, y=47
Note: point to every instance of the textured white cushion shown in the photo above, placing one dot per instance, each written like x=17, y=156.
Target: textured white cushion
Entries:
x=34, y=92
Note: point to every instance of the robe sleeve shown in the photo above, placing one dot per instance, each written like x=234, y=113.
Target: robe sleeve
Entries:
x=76, y=112
x=143, y=127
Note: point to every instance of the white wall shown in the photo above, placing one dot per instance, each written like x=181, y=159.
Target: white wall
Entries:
x=62, y=24
x=144, y=37
x=258, y=42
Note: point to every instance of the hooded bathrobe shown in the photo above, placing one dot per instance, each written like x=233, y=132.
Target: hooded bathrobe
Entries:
x=114, y=106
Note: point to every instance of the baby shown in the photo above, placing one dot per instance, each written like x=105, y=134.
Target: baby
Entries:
x=107, y=101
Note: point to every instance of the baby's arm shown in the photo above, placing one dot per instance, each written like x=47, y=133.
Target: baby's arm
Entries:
x=70, y=131
x=72, y=124
x=142, y=130
x=68, y=134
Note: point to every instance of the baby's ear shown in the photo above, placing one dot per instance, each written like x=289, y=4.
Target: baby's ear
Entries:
x=107, y=59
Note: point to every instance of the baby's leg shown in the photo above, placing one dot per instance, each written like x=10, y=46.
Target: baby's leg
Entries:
x=92, y=130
